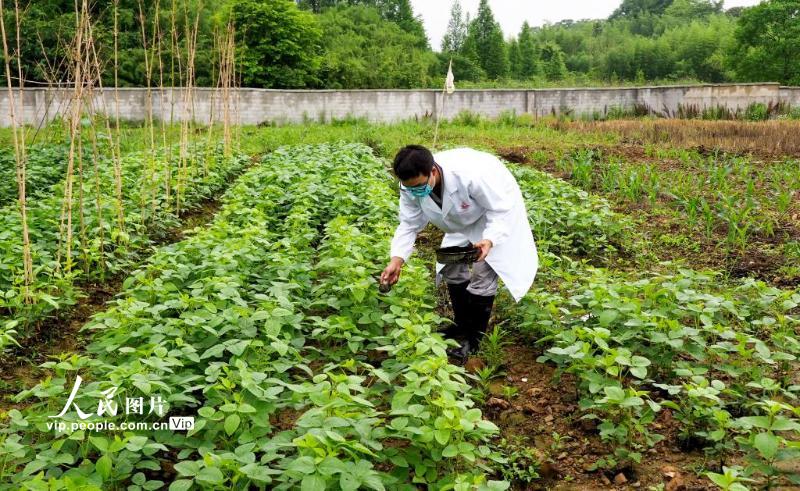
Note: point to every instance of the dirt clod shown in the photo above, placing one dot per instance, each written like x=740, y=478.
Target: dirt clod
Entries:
x=474, y=365
x=548, y=470
x=533, y=391
x=620, y=479
x=669, y=471
x=497, y=403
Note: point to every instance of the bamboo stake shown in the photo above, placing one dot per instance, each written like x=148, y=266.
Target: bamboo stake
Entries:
x=216, y=67
x=167, y=149
x=97, y=76
x=116, y=143
x=173, y=49
x=188, y=103
x=149, y=180
x=81, y=217
x=65, y=228
x=19, y=155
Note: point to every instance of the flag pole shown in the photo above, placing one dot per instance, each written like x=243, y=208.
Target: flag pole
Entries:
x=447, y=89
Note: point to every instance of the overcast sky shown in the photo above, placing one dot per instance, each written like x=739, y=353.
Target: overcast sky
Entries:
x=512, y=13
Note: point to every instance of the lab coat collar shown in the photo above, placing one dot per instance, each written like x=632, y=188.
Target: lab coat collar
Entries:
x=450, y=189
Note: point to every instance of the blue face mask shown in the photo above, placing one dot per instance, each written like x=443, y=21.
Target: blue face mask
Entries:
x=421, y=191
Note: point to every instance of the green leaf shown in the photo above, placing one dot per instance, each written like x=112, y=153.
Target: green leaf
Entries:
x=614, y=393
x=606, y=317
x=766, y=444
x=373, y=481
x=399, y=423
x=99, y=442
x=187, y=468
x=211, y=475
x=497, y=485
x=139, y=478
x=349, y=482
x=303, y=465
x=257, y=472
x=232, y=423
x=450, y=451
x=180, y=485
x=103, y=466
x=313, y=482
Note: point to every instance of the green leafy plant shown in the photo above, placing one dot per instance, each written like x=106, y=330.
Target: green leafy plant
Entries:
x=731, y=479
x=493, y=345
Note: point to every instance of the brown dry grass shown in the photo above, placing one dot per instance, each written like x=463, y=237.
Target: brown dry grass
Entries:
x=768, y=138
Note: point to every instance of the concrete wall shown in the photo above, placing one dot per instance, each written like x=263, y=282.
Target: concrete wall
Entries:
x=253, y=106
x=790, y=95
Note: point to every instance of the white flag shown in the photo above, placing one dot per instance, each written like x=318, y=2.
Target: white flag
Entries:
x=449, y=85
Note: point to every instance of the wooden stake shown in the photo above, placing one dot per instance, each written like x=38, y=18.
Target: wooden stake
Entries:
x=19, y=155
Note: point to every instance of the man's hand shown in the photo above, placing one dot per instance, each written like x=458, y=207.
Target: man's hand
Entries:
x=485, y=246
x=391, y=274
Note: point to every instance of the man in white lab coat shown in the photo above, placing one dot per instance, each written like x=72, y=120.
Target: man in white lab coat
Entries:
x=473, y=198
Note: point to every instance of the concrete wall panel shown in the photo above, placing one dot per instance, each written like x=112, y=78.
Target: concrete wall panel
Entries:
x=253, y=106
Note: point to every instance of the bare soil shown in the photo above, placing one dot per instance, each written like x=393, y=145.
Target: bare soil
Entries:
x=544, y=415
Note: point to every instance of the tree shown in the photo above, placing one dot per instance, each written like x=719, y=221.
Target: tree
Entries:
x=278, y=43
x=464, y=68
x=734, y=11
x=768, y=42
x=401, y=13
x=48, y=29
x=363, y=50
x=637, y=8
x=690, y=10
x=456, y=33
x=485, y=43
x=528, y=57
x=398, y=11
x=514, y=59
x=553, y=61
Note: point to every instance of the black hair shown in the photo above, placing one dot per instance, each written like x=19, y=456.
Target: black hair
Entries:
x=412, y=161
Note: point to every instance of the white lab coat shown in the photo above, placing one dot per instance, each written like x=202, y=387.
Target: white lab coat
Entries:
x=481, y=200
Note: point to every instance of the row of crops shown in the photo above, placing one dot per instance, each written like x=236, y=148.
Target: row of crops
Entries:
x=47, y=164
x=721, y=355
x=733, y=198
x=267, y=327
x=84, y=229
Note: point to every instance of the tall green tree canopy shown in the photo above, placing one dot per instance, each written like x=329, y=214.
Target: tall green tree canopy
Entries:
x=636, y=8
x=528, y=64
x=363, y=50
x=279, y=43
x=485, y=43
x=456, y=34
x=398, y=11
x=48, y=29
x=768, y=42
x=382, y=43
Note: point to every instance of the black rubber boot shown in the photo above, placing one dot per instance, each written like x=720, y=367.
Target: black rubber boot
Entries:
x=459, y=303
x=480, y=309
